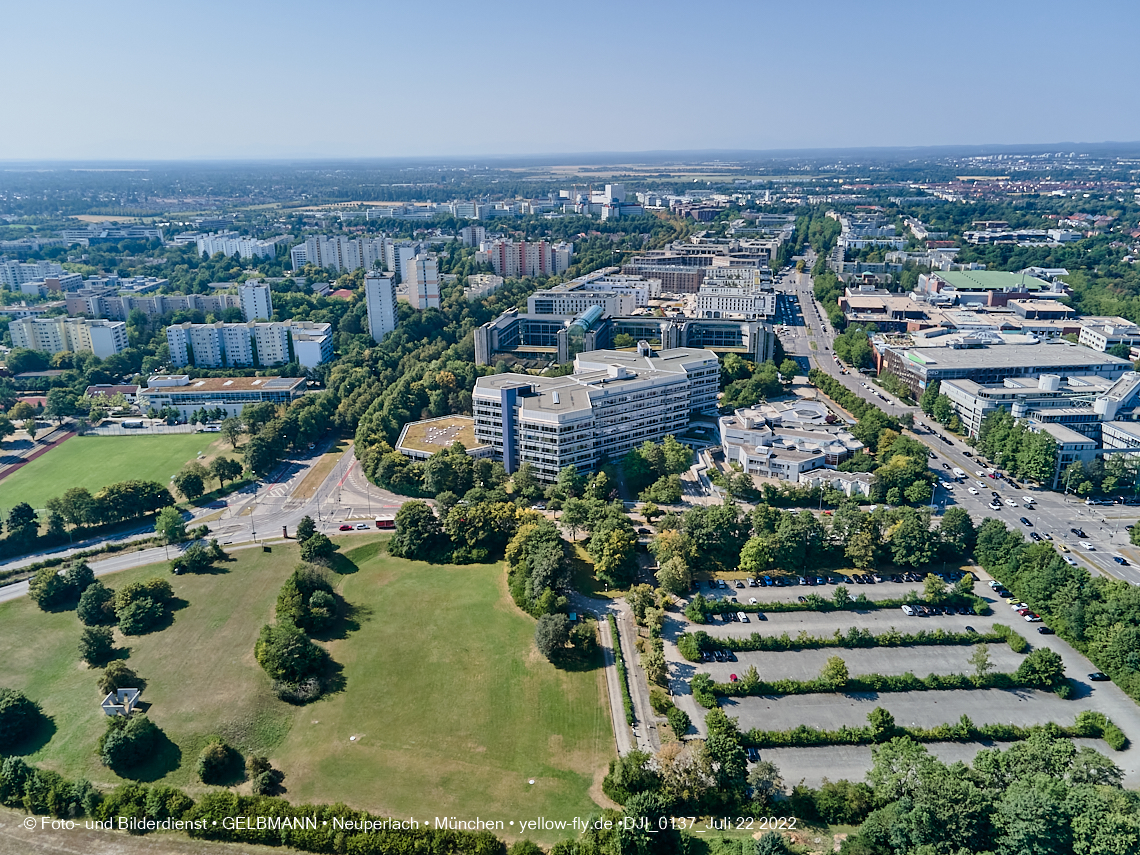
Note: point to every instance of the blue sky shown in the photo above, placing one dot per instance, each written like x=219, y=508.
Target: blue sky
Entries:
x=253, y=79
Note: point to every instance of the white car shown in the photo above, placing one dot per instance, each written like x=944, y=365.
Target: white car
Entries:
x=907, y=610
x=980, y=473
x=973, y=491
x=980, y=484
x=1070, y=560
x=1086, y=545
x=752, y=601
x=1011, y=503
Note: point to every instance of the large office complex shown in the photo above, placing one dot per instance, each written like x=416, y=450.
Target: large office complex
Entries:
x=256, y=300
x=612, y=402
x=559, y=338
x=178, y=391
x=987, y=358
x=59, y=334
x=251, y=345
x=380, y=301
x=736, y=292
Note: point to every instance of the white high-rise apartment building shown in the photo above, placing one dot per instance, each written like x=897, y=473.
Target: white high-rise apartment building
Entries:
x=231, y=243
x=472, y=235
x=224, y=345
x=423, y=288
x=13, y=274
x=59, y=334
x=380, y=300
x=256, y=300
x=399, y=255
x=343, y=254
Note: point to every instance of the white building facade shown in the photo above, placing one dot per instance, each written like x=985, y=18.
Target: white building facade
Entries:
x=380, y=301
x=250, y=345
x=59, y=334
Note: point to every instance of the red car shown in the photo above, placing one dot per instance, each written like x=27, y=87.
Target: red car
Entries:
x=732, y=677
x=346, y=527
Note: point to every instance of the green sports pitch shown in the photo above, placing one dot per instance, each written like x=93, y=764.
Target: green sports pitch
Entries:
x=96, y=461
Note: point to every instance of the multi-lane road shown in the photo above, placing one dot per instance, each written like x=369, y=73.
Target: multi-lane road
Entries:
x=810, y=337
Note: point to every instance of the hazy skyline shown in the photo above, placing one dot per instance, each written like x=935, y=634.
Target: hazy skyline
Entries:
x=357, y=79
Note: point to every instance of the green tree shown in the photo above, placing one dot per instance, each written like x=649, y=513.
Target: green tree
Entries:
x=191, y=481
x=96, y=605
x=674, y=576
x=170, y=526
x=956, y=531
x=756, y=556
x=766, y=782
x=575, y=514
x=286, y=653
x=140, y=616
x=933, y=588
x=318, y=549
x=60, y=404
x=217, y=762
x=419, y=534
x=882, y=724
x=128, y=741
x=834, y=673
x=30, y=428
x=306, y=528
x=225, y=469
x=1042, y=668
x=117, y=675
x=231, y=430
x=96, y=644
x=980, y=659
x=551, y=634
x=841, y=597
x=19, y=717
x=910, y=539
x=49, y=589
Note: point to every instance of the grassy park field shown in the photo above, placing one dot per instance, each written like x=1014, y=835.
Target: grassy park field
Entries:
x=453, y=710
x=96, y=461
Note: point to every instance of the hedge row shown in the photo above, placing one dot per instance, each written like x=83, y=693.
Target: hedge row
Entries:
x=699, y=608
x=692, y=644
x=265, y=821
x=29, y=570
x=623, y=678
x=907, y=682
x=1089, y=725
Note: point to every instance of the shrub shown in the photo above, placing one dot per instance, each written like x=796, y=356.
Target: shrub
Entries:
x=308, y=588
x=117, y=676
x=96, y=645
x=1115, y=737
x=623, y=677
x=141, y=616
x=1016, y=642
x=49, y=589
x=217, y=762
x=301, y=692
x=317, y=549
x=679, y=721
x=287, y=654
x=128, y=741
x=659, y=700
x=551, y=634
x=19, y=716
x=689, y=646
x=97, y=605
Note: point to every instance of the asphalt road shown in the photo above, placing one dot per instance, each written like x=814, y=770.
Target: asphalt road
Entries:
x=1105, y=527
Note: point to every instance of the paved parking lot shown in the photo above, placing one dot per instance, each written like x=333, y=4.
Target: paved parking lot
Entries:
x=878, y=591
x=924, y=708
x=806, y=664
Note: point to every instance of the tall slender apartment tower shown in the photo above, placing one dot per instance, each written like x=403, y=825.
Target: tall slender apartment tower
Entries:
x=380, y=300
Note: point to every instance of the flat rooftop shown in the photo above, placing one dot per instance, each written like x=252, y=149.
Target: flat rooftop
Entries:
x=233, y=384
x=990, y=280
x=432, y=435
x=1043, y=355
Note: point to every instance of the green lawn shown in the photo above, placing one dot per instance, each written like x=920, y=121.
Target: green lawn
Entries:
x=96, y=461
x=453, y=710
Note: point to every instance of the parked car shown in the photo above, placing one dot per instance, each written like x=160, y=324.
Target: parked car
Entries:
x=1030, y=617
x=1044, y=630
x=752, y=601
x=907, y=610
x=1098, y=677
x=739, y=584
x=733, y=678
x=742, y=617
